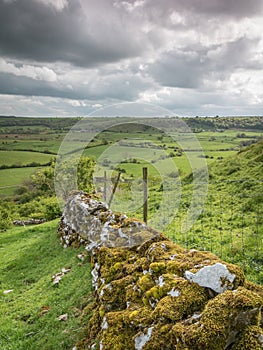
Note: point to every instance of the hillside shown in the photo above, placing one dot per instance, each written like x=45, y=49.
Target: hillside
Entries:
x=30, y=303
x=231, y=221
x=246, y=165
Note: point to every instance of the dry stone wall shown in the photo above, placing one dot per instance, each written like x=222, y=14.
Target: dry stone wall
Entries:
x=150, y=293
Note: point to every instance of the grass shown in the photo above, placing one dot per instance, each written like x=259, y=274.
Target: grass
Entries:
x=10, y=179
x=29, y=257
x=30, y=144
x=23, y=158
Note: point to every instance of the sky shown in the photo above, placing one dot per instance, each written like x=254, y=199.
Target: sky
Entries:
x=72, y=57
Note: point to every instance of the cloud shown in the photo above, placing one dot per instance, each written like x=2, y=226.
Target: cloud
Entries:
x=59, y=5
x=122, y=86
x=191, y=67
x=185, y=54
x=79, y=34
x=217, y=8
x=34, y=72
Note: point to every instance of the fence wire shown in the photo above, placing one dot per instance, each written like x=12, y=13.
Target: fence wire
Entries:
x=230, y=223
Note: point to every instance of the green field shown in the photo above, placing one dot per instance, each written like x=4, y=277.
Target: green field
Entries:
x=17, y=141
x=23, y=158
x=10, y=179
x=30, y=144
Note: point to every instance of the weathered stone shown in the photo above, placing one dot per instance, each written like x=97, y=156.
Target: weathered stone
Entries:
x=90, y=222
x=216, y=277
x=153, y=294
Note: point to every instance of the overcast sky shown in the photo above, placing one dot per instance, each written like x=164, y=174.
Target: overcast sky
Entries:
x=70, y=57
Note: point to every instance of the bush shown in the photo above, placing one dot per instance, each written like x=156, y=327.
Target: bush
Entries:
x=52, y=210
x=5, y=219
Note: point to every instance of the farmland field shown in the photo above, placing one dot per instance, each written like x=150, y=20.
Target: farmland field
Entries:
x=10, y=179
x=27, y=140
x=23, y=158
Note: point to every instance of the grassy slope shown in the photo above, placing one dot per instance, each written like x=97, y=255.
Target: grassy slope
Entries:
x=247, y=164
x=231, y=223
x=28, y=259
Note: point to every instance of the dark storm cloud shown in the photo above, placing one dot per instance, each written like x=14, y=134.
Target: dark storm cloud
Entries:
x=30, y=29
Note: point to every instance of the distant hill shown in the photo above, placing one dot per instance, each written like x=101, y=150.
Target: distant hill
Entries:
x=197, y=124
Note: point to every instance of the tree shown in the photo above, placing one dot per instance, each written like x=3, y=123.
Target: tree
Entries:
x=71, y=170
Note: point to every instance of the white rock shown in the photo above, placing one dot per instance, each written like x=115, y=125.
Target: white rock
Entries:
x=104, y=324
x=142, y=339
x=174, y=293
x=173, y=256
x=161, y=282
x=216, y=277
x=95, y=275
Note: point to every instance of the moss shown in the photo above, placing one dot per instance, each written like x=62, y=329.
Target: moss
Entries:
x=114, y=272
x=92, y=331
x=107, y=257
x=155, y=292
x=156, y=236
x=146, y=282
x=238, y=272
x=251, y=338
x=161, y=339
x=189, y=298
x=179, y=267
x=162, y=250
x=254, y=288
x=133, y=296
x=136, y=265
x=128, y=221
x=141, y=317
x=223, y=319
x=118, y=334
x=158, y=267
x=113, y=296
x=144, y=235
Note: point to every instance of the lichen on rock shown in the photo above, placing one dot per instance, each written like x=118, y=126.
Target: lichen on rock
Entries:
x=151, y=294
x=90, y=222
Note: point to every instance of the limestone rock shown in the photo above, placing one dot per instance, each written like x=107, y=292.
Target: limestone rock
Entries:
x=216, y=277
x=90, y=222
